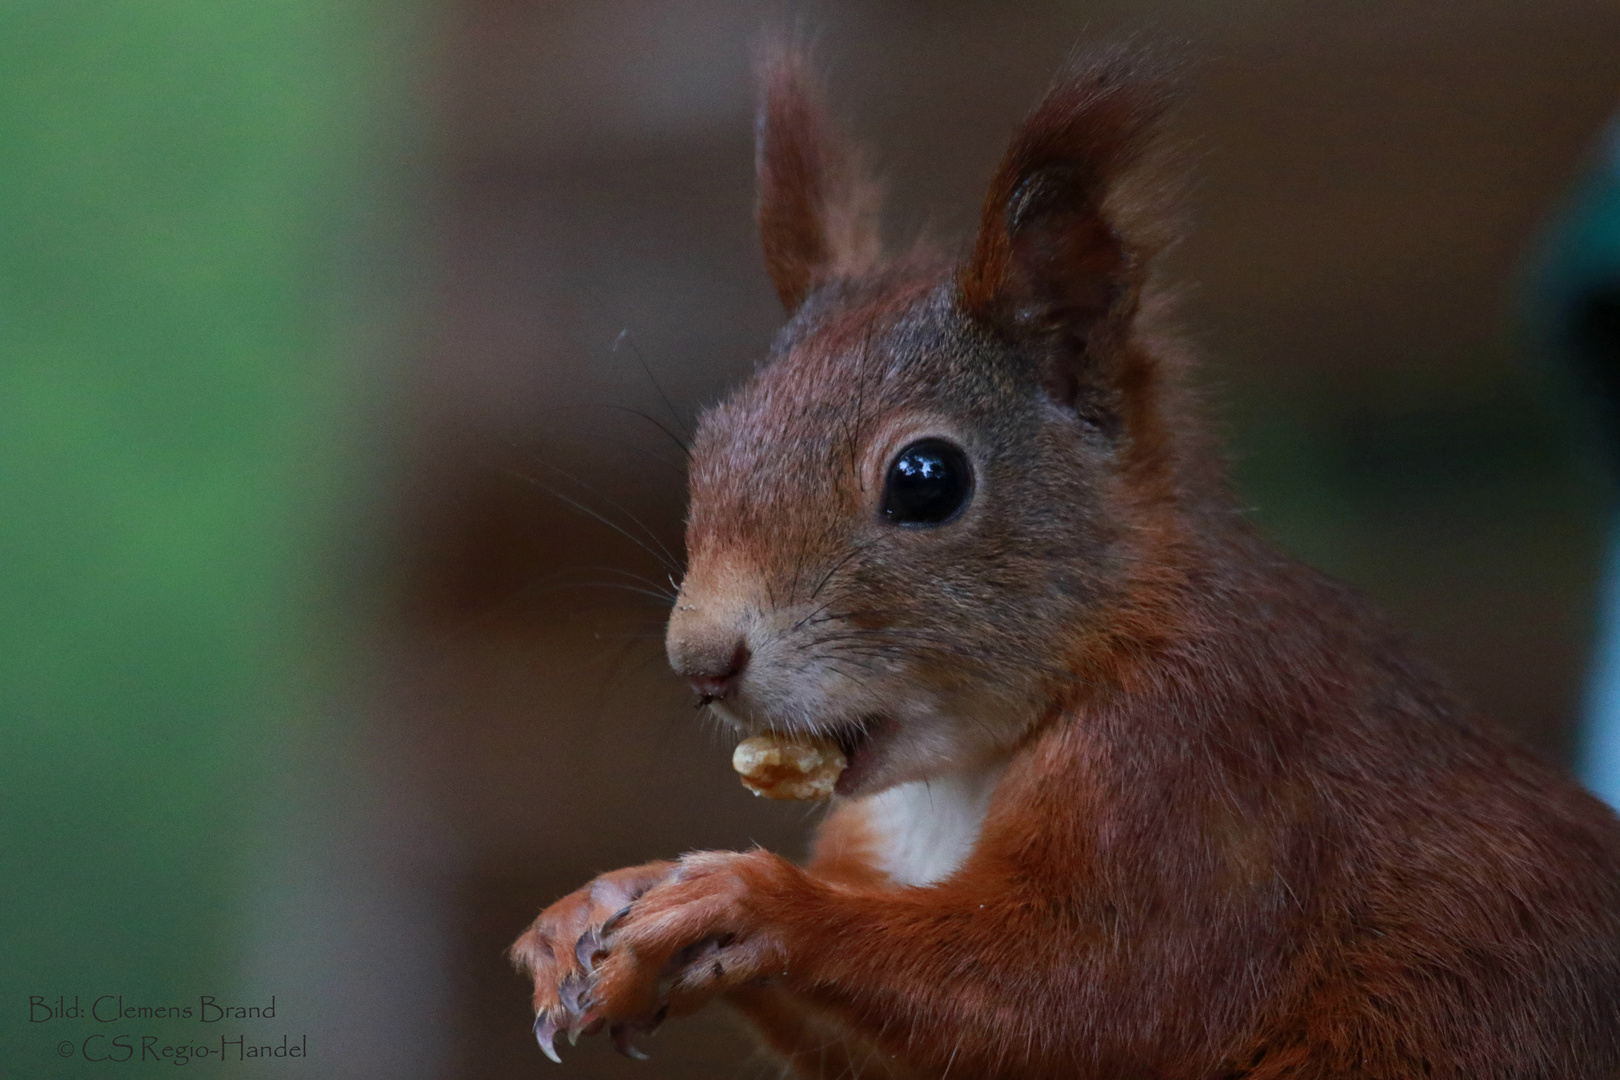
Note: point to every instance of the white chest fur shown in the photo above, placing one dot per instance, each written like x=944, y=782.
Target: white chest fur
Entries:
x=923, y=831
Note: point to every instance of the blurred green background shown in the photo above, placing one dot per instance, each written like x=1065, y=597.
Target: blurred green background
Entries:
x=302, y=692
x=180, y=362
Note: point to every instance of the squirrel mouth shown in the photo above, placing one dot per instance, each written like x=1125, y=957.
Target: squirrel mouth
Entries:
x=860, y=743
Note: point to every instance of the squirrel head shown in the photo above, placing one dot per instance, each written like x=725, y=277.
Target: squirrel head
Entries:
x=914, y=530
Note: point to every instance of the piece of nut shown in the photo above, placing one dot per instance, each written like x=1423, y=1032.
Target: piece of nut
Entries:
x=789, y=767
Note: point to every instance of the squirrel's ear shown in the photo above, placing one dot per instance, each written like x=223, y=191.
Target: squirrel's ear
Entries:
x=817, y=212
x=1056, y=259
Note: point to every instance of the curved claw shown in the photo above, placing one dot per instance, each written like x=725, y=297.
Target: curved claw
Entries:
x=568, y=993
x=545, y=1030
x=621, y=1042
x=575, y=999
x=586, y=948
x=591, y=1025
x=615, y=919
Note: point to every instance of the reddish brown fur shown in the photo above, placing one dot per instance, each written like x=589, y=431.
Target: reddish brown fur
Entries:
x=1240, y=832
x=815, y=208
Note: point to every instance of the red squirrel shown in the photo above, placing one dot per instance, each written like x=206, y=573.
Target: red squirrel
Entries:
x=1130, y=794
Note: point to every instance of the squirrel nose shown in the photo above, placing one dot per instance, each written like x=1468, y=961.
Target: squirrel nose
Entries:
x=718, y=683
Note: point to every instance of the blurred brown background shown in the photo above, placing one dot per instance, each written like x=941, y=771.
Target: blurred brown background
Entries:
x=1371, y=177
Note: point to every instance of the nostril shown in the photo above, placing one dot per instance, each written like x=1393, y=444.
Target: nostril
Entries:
x=718, y=683
x=711, y=686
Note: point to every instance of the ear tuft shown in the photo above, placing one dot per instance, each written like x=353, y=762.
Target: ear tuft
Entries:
x=817, y=211
x=1054, y=256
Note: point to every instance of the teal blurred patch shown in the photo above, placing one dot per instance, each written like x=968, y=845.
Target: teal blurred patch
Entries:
x=177, y=177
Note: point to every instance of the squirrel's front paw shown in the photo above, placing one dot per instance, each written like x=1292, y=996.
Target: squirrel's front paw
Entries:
x=704, y=930
x=558, y=950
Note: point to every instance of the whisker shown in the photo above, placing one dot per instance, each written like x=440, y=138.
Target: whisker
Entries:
x=623, y=338
x=620, y=585
x=801, y=623
x=892, y=643
x=614, y=503
x=664, y=558
x=828, y=576
x=639, y=579
x=508, y=603
x=686, y=450
x=622, y=444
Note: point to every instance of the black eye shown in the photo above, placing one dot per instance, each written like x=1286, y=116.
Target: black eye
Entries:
x=928, y=484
